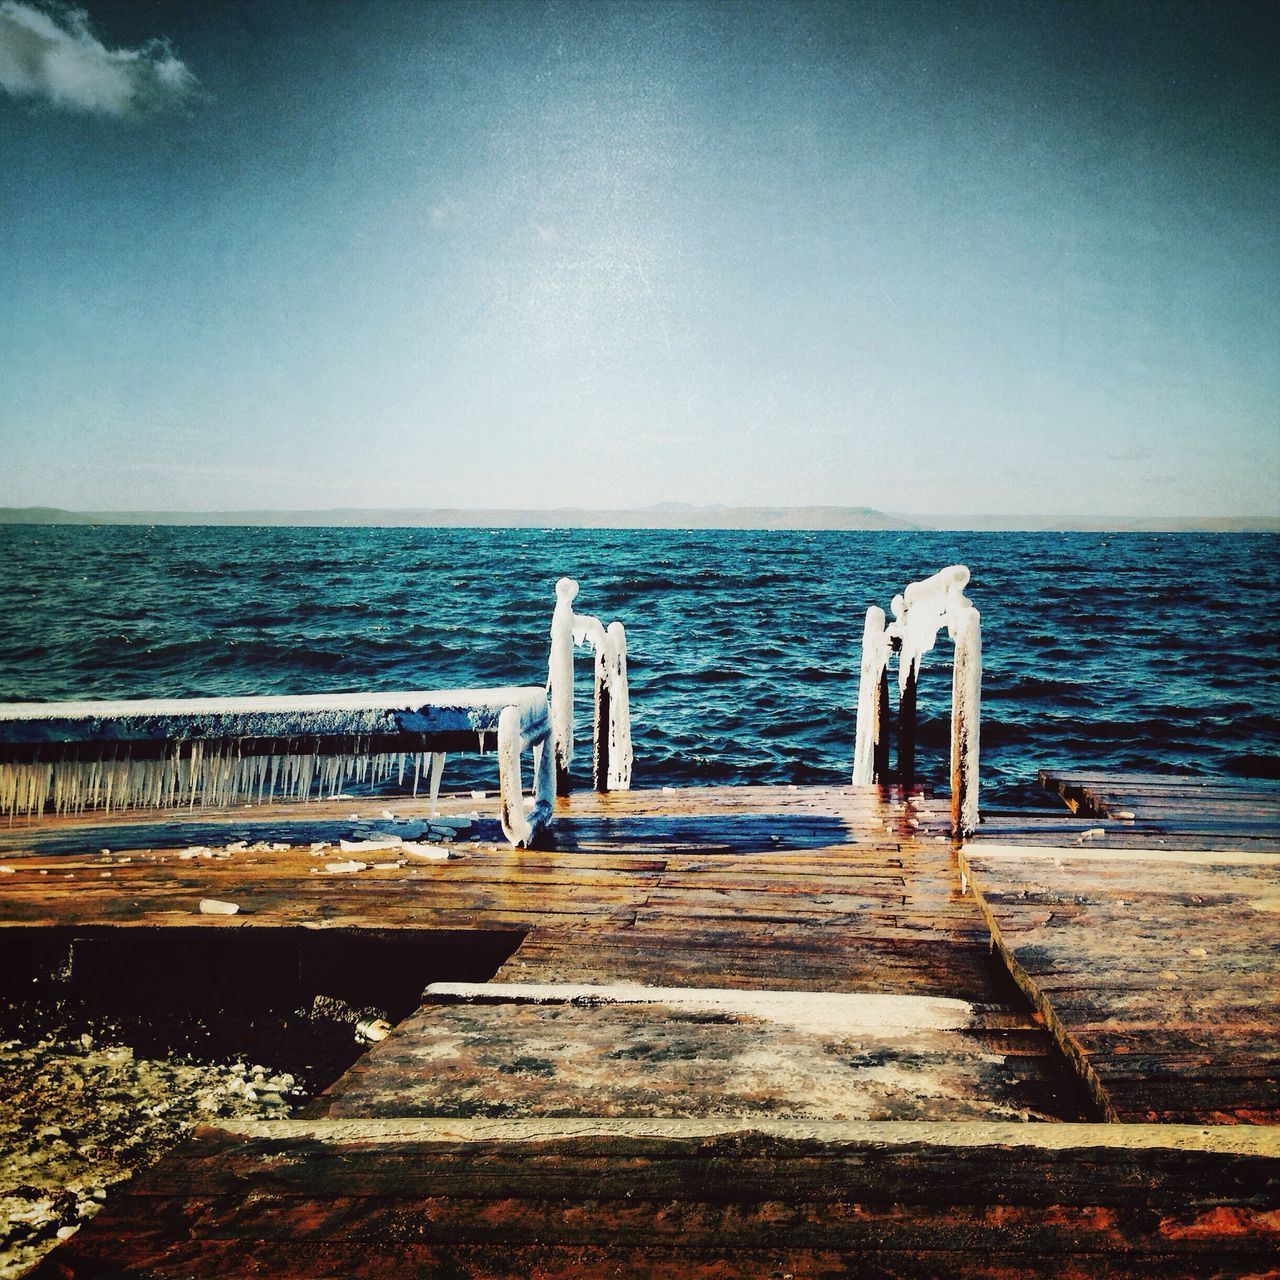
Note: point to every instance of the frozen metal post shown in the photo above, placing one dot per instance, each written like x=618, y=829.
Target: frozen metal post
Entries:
x=966, y=695
x=611, y=722
x=875, y=658
x=919, y=613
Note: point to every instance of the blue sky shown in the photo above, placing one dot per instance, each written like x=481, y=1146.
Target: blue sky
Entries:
x=946, y=258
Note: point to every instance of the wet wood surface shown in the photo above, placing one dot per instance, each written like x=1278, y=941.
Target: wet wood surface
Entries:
x=1174, y=809
x=722, y=897
x=1157, y=963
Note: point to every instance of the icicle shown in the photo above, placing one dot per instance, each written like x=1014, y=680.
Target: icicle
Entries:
x=437, y=769
x=205, y=773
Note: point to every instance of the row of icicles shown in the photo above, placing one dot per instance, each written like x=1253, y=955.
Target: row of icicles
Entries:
x=197, y=773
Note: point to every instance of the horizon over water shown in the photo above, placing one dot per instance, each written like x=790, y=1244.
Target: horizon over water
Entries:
x=1151, y=652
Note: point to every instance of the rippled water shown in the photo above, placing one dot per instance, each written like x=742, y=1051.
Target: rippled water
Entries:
x=1153, y=652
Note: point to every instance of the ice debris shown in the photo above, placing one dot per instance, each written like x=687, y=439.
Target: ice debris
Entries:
x=428, y=852
x=214, y=907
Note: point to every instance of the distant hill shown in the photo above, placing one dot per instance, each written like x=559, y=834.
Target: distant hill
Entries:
x=663, y=516
x=666, y=515
x=1106, y=524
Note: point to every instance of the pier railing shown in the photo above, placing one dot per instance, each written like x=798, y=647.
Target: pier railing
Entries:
x=611, y=733
x=919, y=613
x=152, y=753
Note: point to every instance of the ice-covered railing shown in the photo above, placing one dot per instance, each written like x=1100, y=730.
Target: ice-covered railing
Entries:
x=611, y=734
x=67, y=757
x=919, y=613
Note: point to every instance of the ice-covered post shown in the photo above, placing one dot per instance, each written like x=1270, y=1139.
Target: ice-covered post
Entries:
x=875, y=660
x=966, y=695
x=611, y=733
x=560, y=682
x=884, y=724
x=611, y=726
x=907, y=732
x=611, y=723
x=919, y=613
x=519, y=827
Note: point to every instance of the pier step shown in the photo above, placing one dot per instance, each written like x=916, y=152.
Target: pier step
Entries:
x=1157, y=969
x=497, y=1200
x=566, y=1050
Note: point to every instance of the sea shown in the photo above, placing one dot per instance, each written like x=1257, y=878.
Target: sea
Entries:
x=1125, y=651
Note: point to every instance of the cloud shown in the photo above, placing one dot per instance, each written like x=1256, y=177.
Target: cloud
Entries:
x=49, y=51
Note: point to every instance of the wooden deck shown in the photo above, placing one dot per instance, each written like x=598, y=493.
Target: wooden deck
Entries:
x=1151, y=942
x=740, y=1032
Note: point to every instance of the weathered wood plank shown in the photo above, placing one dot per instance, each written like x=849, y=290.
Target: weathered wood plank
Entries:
x=307, y=1260
x=1154, y=953
x=541, y=1051
x=637, y=1197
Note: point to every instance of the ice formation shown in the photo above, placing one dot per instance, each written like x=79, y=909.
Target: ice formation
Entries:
x=215, y=907
x=190, y=773
x=919, y=613
x=67, y=757
x=922, y=610
x=613, y=740
x=162, y=753
x=560, y=673
x=518, y=826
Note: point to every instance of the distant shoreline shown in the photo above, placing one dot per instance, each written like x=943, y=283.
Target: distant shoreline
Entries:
x=663, y=516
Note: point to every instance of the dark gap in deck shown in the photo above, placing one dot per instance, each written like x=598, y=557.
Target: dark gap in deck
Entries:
x=291, y=996
x=1073, y=1099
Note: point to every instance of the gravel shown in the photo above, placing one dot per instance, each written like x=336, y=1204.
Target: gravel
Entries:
x=88, y=1098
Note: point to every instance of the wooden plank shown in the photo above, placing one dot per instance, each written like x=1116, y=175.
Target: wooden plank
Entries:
x=1172, y=781
x=638, y=1197
x=308, y=1260
x=1153, y=952
x=658, y=952
x=513, y=1050
x=1117, y=857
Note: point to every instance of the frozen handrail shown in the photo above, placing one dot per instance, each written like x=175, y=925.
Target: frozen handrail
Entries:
x=919, y=613
x=160, y=753
x=611, y=735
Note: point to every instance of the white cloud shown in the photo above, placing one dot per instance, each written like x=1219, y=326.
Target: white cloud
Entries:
x=50, y=51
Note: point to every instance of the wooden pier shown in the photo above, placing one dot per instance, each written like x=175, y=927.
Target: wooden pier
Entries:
x=740, y=1031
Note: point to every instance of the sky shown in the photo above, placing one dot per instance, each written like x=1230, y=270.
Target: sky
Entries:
x=946, y=258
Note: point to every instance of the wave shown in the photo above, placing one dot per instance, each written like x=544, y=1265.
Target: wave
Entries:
x=1147, y=652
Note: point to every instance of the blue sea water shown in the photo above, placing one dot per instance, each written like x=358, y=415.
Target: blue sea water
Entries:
x=1130, y=651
